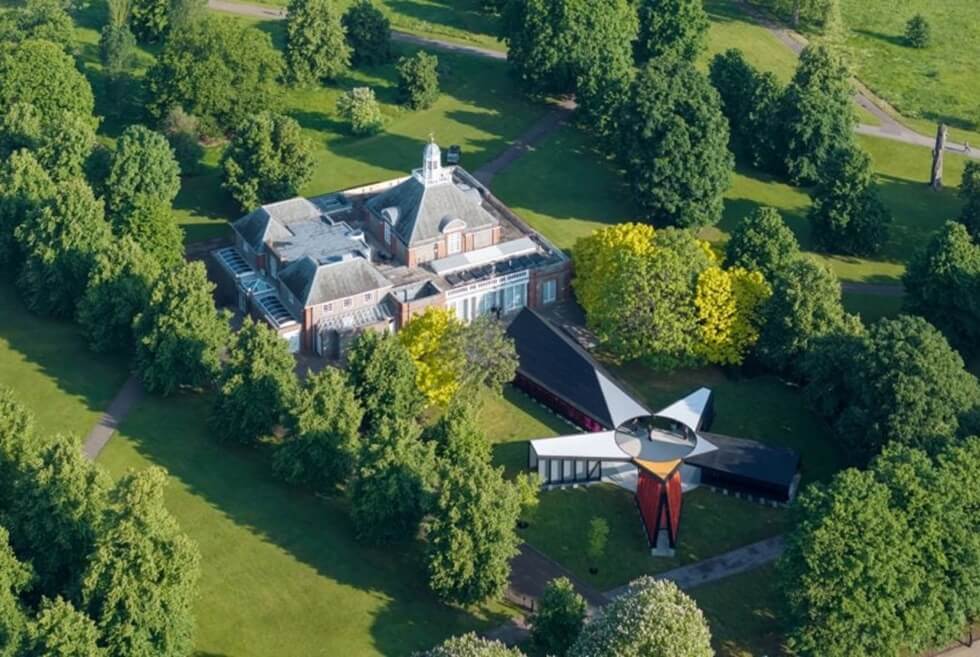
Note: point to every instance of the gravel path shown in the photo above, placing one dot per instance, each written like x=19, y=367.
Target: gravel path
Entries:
x=128, y=396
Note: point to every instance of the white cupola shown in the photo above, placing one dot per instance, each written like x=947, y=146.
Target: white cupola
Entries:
x=432, y=172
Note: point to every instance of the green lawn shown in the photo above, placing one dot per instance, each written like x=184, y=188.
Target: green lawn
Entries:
x=511, y=420
x=731, y=28
x=51, y=371
x=711, y=523
x=281, y=574
x=743, y=612
x=872, y=307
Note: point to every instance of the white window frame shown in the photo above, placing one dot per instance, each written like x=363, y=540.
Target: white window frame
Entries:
x=387, y=234
x=454, y=243
x=549, y=291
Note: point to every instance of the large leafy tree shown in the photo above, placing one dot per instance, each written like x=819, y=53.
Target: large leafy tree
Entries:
x=60, y=630
x=805, y=305
x=393, y=480
x=817, y=113
x=180, y=335
x=849, y=571
x=149, y=19
x=909, y=387
x=662, y=620
x=258, y=385
x=942, y=283
x=418, y=80
x=970, y=192
x=143, y=167
x=472, y=535
x=671, y=28
x=24, y=188
x=61, y=498
x=316, y=46
x=434, y=341
x=470, y=645
x=673, y=143
x=559, y=618
x=384, y=379
x=59, y=241
x=847, y=215
x=15, y=577
x=218, y=69
x=140, y=585
x=368, y=33
x=62, y=143
x=41, y=74
x=324, y=438
x=551, y=43
x=729, y=304
x=762, y=242
x=152, y=224
x=118, y=290
x=750, y=101
x=38, y=19
x=269, y=159
x=491, y=357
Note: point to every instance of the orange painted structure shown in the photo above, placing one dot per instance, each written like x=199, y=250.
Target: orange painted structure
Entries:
x=658, y=494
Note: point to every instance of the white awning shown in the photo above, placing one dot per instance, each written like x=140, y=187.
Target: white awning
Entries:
x=484, y=256
x=599, y=446
x=689, y=410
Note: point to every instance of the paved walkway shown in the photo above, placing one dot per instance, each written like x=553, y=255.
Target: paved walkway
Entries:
x=127, y=397
x=536, y=134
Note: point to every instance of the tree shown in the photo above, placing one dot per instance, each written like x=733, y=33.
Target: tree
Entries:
x=559, y=618
x=472, y=535
x=674, y=145
x=675, y=28
x=316, y=46
x=257, y=387
x=268, y=159
x=637, y=287
x=383, y=375
x=750, y=101
x=14, y=579
x=434, y=341
x=183, y=131
x=368, y=34
x=598, y=539
x=62, y=496
x=182, y=13
x=729, y=304
x=942, y=283
x=970, y=193
x=59, y=241
x=551, y=44
x=392, y=483
x=41, y=74
x=18, y=444
x=38, y=20
x=180, y=335
x=491, y=357
x=151, y=224
x=360, y=108
x=324, y=440
x=762, y=242
x=118, y=290
x=805, y=305
x=61, y=143
x=143, y=168
x=149, y=19
x=850, y=563
x=918, y=32
x=470, y=645
x=847, y=215
x=24, y=187
x=662, y=620
x=817, y=113
x=219, y=70
x=910, y=388
x=141, y=581
x=60, y=630
x=418, y=80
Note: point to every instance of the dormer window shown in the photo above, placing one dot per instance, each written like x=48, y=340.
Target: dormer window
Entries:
x=454, y=242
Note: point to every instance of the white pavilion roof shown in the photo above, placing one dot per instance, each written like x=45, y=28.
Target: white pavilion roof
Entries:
x=622, y=407
x=688, y=411
x=598, y=446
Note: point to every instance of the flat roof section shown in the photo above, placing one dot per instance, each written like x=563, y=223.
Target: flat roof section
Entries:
x=597, y=446
x=750, y=460
x=490, y=254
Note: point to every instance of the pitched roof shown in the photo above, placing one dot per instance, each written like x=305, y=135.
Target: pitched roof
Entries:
x=420, y=212
x=314, y=283
x=270, y=221
x=552, y=360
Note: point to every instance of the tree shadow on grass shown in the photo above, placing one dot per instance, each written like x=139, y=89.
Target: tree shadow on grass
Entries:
x=893, y=39
x=237, y=484
x=445, y=14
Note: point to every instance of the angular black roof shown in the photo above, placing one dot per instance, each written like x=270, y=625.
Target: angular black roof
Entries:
x=749, y=460
x=553, y=361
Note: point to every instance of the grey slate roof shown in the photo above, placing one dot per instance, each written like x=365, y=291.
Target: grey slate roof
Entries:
x=419, y=212
x=270, y=221
x=313, y=283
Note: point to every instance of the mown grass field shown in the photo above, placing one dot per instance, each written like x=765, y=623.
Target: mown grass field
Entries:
x=47, y=365
x=281, y=572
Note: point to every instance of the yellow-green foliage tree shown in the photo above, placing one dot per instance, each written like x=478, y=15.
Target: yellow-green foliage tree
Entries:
x=600, y=256
x=434, y=340
x=729, y=304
